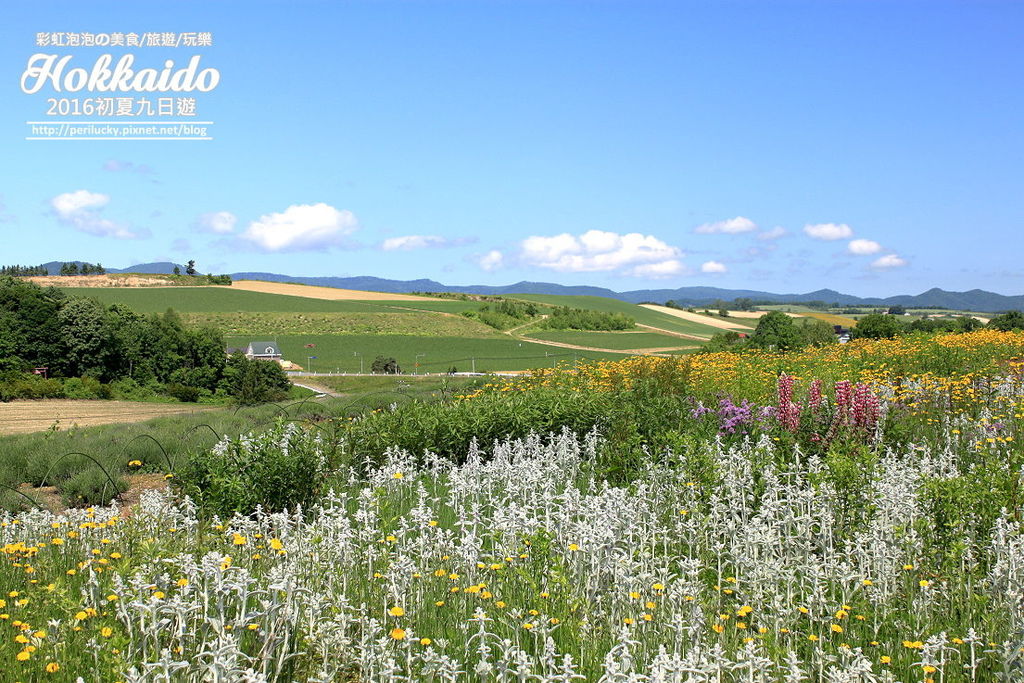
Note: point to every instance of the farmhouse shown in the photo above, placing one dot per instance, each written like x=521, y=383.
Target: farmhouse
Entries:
x=263, y=350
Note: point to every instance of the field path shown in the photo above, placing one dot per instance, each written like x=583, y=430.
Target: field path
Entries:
x=625, y=352
x=318, y=388
x=673, y=333
x=696, y=317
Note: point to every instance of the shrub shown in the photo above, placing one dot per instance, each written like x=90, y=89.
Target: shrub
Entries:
x=252, y=381
x=91, y=486
x=385, y=366
x=84, y=388
x=279, y=469
x=185, y=394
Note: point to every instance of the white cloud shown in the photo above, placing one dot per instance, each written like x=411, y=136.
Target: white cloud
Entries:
x=829, y=231
x=888, y=261
x=411, y=242
x=713, y=267
x=80, y=209
x=656, y=270
x=492, y=260
x=219, y=222
x=773, y=234
x=301, y=227
x=864, y=247
x=732, y=226
x=598, y=250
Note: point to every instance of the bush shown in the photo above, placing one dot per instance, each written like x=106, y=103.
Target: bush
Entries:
x=91, y=486
x=128, y=389
x=280, y=469
x=30, y=387
x=252, y=381
x=183, y=393
x=84, y=388
x=385, y=366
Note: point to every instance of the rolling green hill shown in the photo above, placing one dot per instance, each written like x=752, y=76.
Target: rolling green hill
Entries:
x=643, y=316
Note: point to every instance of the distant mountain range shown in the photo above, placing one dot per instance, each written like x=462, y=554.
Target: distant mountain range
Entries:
x=973, y=300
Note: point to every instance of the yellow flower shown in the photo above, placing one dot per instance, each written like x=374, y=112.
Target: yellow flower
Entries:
x=929, y=669
x=885, y=659
x=812, y=637
x=52, y=668
x=275, y=544
x=573, y=547
x=81, y=616
x=182, y=582
x=238, y=539
x=396, y=611
x=397, y=634
x=717, y=628
x=398, y=475
x=23, y=656
x=836, y=628
x=528, y=626
x=923, y=583
x=106, y=631
x=425, y=641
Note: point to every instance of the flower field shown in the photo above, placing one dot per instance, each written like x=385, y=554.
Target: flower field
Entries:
x=846, y=514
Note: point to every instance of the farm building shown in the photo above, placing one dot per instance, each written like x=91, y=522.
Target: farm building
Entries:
x=263, y=350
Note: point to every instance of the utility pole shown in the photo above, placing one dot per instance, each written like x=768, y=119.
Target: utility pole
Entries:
x=356, y=353
x=474, y=365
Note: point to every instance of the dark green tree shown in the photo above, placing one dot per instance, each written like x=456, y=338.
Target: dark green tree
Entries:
x=1011, y=320
x=87, y=338
x=190, y=268
x=776, y=332
x=385, y=366
x=877, y=326
x=817, y=332
x=252, y=381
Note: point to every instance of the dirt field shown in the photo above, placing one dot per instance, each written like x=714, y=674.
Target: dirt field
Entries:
x=21, y=417
x=698, y=318
x=328, y=293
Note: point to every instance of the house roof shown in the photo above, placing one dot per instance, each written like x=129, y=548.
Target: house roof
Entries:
x=264, y=348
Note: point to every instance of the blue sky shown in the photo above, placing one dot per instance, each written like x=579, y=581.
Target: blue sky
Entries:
x=874, y=148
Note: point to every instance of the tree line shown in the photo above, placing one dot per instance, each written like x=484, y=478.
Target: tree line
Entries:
x=777, y=331
x=78, y=337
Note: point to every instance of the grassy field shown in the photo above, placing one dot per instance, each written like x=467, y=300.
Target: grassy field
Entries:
x=611, y=340
x=335, y=352
x=642, y=315
x=260, y=325
x=223, y=299
x=425, y=386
